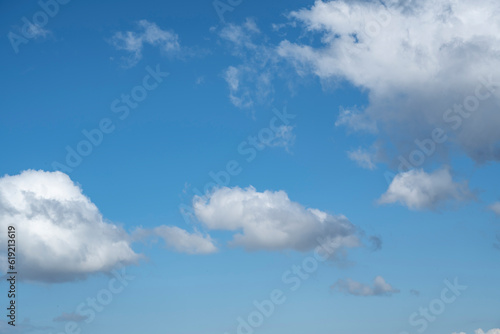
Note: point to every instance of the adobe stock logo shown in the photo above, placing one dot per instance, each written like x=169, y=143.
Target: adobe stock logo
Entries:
x=89, y=309
x=293, y=278
x=426, y=315
x=122, y=107
x=35, y=28
x=225, y=6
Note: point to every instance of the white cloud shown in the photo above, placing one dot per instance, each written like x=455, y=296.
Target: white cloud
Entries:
x=417, y=61
x=419, y=190
x=380, y=287
x=133, y=42
x=480, y=331
x=270, y=221
x=184, y=242
x=241, y=36
x=250, y=82
x=240, y=98
x=62, y=235
x=491, y=331
x=232, y=79
x=495, y=207
x=283, y=137
x=355, y=120
x=363, y=158
x=36, y=31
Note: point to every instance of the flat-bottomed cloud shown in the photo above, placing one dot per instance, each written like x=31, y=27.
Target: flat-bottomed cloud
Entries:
x=419, y=190
x=63, y=235
x=380, y=287
x=269, y=220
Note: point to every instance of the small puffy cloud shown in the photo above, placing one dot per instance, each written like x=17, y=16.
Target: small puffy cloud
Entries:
x=150, y=33
x=491, y=331
x=269, y=220
x=64, y=236
x=495, y=207
x=480, y=331
x=70, y=317
x=363, y=158
x=184, y=242
x=423, y=64
x=380, y=288
x=419, y=190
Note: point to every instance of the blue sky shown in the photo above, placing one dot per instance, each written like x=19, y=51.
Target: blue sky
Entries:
x=370, y=128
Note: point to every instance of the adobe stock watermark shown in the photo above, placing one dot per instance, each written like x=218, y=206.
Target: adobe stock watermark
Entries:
x=35, y=28
x=121, y=107
x=223, y=6
x=426, y=315
x=453, y=117
x=292, y=278
x=279, y=128
x=87, y=310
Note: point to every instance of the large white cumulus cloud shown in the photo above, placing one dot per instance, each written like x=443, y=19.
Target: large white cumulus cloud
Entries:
x=269, y=220
x=61, y=235
x=425, y=64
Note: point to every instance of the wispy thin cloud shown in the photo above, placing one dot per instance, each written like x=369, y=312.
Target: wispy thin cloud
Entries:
x=379, y=288
x=150, y=33
x=74, y=317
